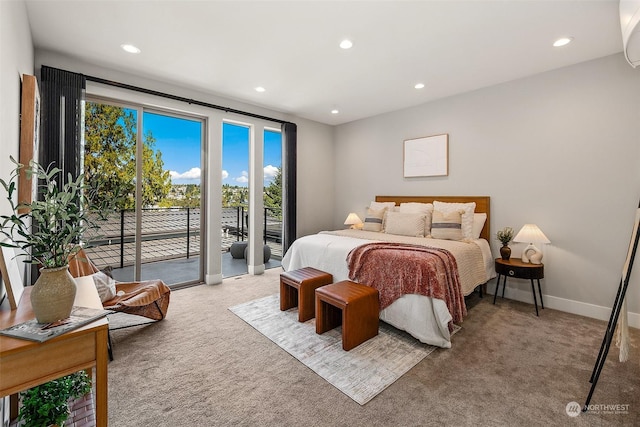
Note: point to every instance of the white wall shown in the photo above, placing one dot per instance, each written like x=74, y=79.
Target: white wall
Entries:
x=559, y=149
x=17, y=59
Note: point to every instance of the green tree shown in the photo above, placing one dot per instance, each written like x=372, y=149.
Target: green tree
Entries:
x=233, y=196
x=273, y=195
x=110, y=158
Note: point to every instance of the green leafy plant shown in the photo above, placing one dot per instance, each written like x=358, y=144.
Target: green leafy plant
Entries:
x=48, y=403
x=505, y=235
x=50, y=227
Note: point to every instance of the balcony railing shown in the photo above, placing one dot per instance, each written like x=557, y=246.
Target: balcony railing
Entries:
x=170, y=233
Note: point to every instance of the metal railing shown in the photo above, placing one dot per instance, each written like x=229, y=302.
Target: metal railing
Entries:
x=172, y=233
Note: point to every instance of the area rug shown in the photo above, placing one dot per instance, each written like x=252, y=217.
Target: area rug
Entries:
x=361, y=373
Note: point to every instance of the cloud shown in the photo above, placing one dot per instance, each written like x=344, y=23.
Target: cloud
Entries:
x=270, y=172
x=225, y=175
x=244, y=178
x=191, y=174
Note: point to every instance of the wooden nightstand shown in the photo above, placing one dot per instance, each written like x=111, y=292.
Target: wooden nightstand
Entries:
x=520, y=270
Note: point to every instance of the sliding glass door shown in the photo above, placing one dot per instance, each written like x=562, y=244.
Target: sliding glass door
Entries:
x=149, y=162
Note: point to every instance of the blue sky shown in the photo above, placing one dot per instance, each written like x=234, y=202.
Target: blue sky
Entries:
x=179, y=141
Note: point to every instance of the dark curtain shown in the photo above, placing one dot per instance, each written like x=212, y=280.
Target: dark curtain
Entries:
x=62, y=102
x=62, y=97
x=289, y=174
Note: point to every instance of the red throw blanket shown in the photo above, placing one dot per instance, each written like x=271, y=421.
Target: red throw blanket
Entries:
x=396, y=269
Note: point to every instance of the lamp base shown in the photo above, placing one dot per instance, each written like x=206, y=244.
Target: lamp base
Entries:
x=532, y=254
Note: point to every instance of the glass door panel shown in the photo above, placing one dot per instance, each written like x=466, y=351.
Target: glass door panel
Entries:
x=273, y=196
x=109, y=167
x=171, y=205
x=235, y=198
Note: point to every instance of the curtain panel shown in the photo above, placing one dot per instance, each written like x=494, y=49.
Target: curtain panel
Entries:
x=62, y=120
x=289, y=179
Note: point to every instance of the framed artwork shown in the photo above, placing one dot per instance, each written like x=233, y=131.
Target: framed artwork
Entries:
x=11, y=278
x=29, y=136
x=427, y=156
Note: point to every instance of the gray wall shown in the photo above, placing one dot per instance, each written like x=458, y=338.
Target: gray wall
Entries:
x=559, y=149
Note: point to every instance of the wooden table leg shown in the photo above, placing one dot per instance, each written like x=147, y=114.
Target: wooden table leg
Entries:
x=102, y=400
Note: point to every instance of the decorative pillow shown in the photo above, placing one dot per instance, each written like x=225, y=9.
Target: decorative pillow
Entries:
x=412, y=207
x=376, y=206
x=467, y=216
x=105, y=285
x=373, y=220
x=404, y=224
x=478, y=224
x=423, y=208
x=447, y=226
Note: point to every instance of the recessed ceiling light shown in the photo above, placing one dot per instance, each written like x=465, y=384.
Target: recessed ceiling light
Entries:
x=562, y=41
x=129, y=48
x=346, y=44
x=419, y=85
x=260, y=89
x=334, y=111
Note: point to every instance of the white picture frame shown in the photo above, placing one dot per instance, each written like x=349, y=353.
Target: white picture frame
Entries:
x=426, y=156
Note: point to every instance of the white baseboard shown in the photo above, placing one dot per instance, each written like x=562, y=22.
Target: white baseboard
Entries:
x=567, y=305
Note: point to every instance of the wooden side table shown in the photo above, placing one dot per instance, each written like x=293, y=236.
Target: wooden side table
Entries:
x=514, y=267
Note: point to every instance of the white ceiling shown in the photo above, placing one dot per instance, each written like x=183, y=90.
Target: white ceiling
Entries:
x=227, y=48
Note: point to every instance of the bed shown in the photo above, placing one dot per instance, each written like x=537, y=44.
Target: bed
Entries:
x=426, y=318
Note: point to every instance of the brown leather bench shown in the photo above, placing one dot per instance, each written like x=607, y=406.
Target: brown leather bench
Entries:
x=297, y=288
x=351, y=304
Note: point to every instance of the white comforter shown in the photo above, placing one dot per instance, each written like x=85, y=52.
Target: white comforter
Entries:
x=425, y=318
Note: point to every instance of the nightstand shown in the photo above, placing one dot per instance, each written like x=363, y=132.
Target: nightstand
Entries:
x=514, y=267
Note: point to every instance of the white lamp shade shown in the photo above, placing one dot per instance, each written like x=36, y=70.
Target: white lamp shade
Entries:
x=530, y=233
x=352, y=219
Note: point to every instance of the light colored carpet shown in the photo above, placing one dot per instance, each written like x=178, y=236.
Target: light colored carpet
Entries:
x=204, y=366
x=361, y=373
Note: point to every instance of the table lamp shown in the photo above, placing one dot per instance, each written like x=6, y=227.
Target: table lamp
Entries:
x=530, y=233
x=353, y=220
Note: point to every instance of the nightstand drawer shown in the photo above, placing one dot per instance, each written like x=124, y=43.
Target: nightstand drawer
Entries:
x=518, y=269
x=533, y=272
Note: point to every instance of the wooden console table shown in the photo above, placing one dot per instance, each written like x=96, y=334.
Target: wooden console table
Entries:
x=25, y=364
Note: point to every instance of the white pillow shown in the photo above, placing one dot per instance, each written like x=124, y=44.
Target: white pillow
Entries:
x=105, y=285
x=404, y=224
x=423, y=208
x=478, y=224
x=373, y=220
x=412, y=207
x=447, y=226
x=467, y=216
x=376, y=206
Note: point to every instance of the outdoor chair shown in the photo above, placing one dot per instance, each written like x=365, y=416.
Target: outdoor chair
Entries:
x=148, y=298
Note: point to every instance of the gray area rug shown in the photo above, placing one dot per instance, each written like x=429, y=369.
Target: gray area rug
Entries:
x=361, y=373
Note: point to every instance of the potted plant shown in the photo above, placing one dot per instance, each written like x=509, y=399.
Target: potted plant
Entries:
x=505, y=236
x=48, y=403
x=48, y=230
